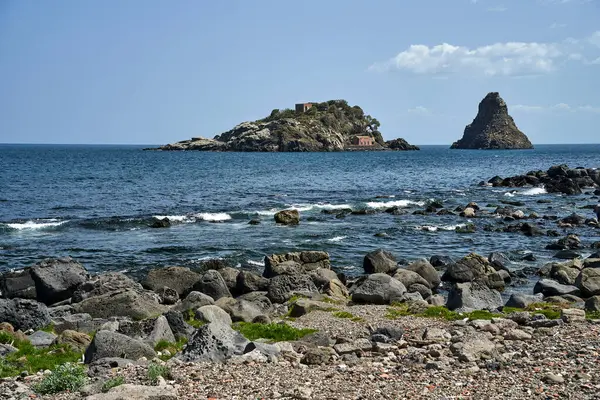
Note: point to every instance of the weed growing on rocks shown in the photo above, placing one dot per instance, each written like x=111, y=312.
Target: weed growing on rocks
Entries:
x=111, y=383
x=156, y=370
x=274, y=332
x=67, y=376
x=346, y=314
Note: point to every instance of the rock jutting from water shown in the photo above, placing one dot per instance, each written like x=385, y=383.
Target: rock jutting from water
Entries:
x=492, y=128
x=328, y=126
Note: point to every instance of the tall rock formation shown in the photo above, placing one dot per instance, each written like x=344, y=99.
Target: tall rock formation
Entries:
x=492, y=128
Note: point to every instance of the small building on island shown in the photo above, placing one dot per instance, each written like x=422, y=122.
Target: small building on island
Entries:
x=303, y=107
x=363, y=141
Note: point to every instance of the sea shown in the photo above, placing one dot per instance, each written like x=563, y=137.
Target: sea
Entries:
x=97, y=204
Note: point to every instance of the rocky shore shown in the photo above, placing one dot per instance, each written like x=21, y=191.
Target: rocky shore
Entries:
x=434, y=328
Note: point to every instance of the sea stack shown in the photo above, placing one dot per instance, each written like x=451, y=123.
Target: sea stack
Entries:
x=492, y=128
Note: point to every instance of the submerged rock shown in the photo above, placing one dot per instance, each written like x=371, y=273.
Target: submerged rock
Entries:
x=493, y=128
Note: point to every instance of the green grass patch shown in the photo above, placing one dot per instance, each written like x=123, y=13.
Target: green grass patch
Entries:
x=346, y=314
x=272, y=332
x=48, y=328
x=111, y=383
x=401, y=310
x=592, y=315
x=157, y=370
x=67, y=376
x=551, y=311
x=31, y=359
x=173, y=348
x=190, y=318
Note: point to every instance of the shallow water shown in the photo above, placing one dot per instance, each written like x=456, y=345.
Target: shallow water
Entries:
x=95, y=203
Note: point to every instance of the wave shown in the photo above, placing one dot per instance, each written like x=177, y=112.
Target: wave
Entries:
x=395, y=203
x=176, y=218
x=36, y=224
x=534, y=191
x=256, y=263
x=435, y=228
x=337, y=239
x=213, y=217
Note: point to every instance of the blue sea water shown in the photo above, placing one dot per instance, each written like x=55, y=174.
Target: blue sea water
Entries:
x=95, y=203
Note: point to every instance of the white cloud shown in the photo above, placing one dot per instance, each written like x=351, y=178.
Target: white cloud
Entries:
x=556, y=107
x=498, y=59
x=420, y=110
x=497, y=9
x=556, y=25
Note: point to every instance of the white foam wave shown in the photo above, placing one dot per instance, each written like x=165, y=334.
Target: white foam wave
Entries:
x=534, y=191
x=213, y=217
x=435, y=228
x=256, y=263
x=337, y=239
x=396, y=203
x=51, y=223
x=177, y=218
x=509, y=194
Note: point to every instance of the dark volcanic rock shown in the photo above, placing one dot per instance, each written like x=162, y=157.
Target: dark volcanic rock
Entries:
x=378, y=289
x=400, y=144
x=379, y=261
x=287, y=217
x=180, y=279
x=18, y=284
x=214, y=342
x=492, y=128
x=56, y=279
x=24, y=314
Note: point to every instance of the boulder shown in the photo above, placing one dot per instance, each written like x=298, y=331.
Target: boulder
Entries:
x=566, y=254
x=470, y=268
x=138, y=392
x=24, y=314
x=468, y=213
x=469, y=296
x=563, y=274
x=588, y=281
x=214, y=342
x=161, y=331
x=78, y=341
x=167, y=296
x=230, y=276
x=377, y=289
x=212, y=284
x=427, y=272
x=548, y=287
x=520, y=300
x=335, y=288
x=295, y=263
x=56, y=279
x=423, y=290
x=499, y=261
x=283, y=287
x=17, y=284
x=492, y=128
x=250, y=282
x=379, y=261
x=473, y=347
x=440, y=262
x=244, y=310
x=121, y=303
x=113, y=344
x=592, y=304
x=180, y=279
x=194, y=300
x=408, y=278
x=213, y=314
x=321, y=276
x=104, y=283
x=80, y=322
x=287, y=217
x=572, y=315
x=180, y=329
x=41, y=338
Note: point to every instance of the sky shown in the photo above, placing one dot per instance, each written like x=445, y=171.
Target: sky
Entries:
x=157, y=71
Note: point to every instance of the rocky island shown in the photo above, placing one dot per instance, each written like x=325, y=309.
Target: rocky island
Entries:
x=328, y=126
x=493, y=128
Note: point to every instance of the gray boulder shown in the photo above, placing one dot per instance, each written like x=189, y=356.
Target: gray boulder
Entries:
x=283, y=287
x=24, y=314
x=244, y=310
x=230, y=275
x=180, y=279
x=427, y=272
x=548, y=287
x=17, y=284
x=41, y=338
x=592, y=304
x=80, y=322
x=213, y=314
x=378, y=289
x=470, y=268
x=295, y=263
x=161, y=331
x=214, y=342
x=408, y=278
x=113, y=344
x=122, y=303
x=563, y=274
x=56, y=279
x=194, y=300
x=212, y=284
x=287, y=217
x=104, y=283
x=520, y=300
x=421, y=289
x=250, y=282
x=178, y=326
x=474, y=347
x=379, y=261
x=588, y=281
x=469, y=296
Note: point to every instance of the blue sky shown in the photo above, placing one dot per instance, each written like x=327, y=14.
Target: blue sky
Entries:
x=154, y=72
